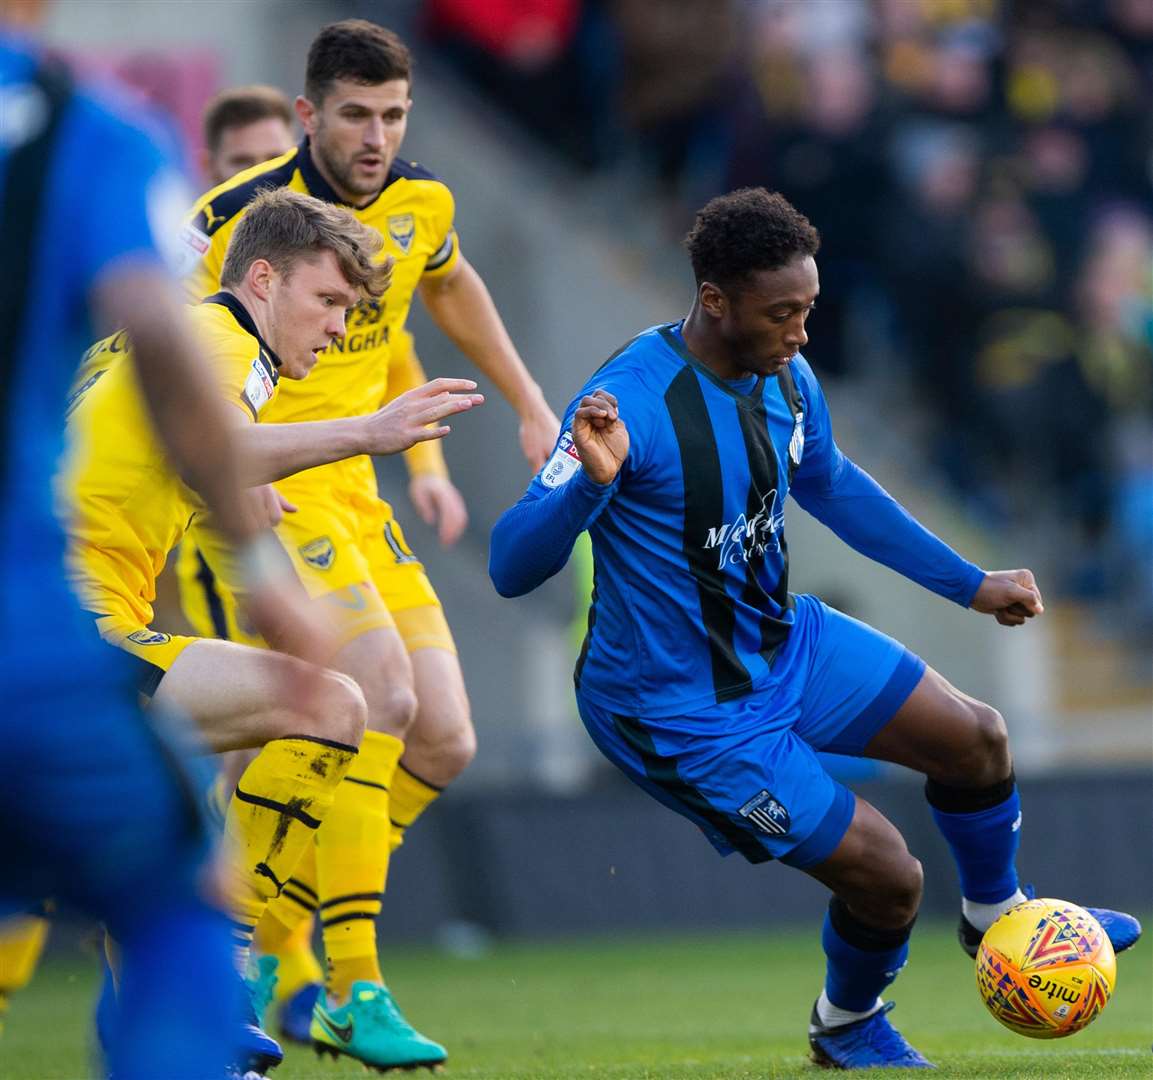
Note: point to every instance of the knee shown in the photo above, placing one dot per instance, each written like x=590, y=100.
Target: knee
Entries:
x=463, y=750
x=341, y=712
x=442, y=759
x=906, y=889
x=392, y=709
x=892, y=896
x=985, y=758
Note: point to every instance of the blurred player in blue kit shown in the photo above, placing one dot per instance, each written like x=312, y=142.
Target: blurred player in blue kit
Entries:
x=712, y=686
x=98, y=807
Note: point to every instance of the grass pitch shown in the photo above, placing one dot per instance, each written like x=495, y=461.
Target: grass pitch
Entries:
x=730, y=1007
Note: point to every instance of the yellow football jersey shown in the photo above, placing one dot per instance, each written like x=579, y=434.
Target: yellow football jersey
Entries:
x=414, y=214
x=125, y=505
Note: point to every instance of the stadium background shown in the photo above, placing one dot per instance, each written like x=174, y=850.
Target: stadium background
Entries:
x=981, y=173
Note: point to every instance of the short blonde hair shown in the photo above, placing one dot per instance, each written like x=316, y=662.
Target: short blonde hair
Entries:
x=283, y=227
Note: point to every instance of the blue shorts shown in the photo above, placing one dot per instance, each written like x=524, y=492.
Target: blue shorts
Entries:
x=101, y=806
x=746, y=771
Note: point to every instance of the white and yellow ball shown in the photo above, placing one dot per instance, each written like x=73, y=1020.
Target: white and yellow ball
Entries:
x=1046, y=969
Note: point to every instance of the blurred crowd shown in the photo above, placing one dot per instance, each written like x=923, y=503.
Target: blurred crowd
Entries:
x=982, y=175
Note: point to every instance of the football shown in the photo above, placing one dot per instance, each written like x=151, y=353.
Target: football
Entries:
x=1046, y=969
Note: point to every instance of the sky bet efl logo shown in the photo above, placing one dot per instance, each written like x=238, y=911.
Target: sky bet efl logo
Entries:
x=564, y=463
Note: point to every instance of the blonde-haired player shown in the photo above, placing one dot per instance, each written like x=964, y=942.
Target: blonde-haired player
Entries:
x=291, y=273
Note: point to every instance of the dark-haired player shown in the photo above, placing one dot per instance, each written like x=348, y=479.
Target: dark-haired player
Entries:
x=711, y=685
x=244, y=126
x=344, y=540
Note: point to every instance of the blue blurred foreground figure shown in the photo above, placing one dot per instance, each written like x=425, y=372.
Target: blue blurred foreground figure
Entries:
x=96, y=807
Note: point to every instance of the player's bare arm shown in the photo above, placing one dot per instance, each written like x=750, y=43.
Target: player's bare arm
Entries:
x=461, y=306
x=273, y=451
x=1010, y=596
x=601, y=438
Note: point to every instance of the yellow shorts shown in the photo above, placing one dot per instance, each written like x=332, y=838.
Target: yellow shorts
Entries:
x=349, y=553
x=154, y=650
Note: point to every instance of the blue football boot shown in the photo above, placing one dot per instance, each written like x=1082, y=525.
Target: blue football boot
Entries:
x=256, y=1051
x=872, y=1043
x=1122, y=929
x=294, y=1016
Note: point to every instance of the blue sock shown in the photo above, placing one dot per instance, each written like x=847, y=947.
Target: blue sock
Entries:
x=982, y=828
x=862, y=960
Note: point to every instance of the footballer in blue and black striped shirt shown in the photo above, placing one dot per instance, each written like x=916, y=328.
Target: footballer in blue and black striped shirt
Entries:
x=710, y=684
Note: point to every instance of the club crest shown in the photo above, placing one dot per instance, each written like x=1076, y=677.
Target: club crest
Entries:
x=149, y=637
x=797, y=442
x=766, y=814
x=402, y=228
x=319, y=553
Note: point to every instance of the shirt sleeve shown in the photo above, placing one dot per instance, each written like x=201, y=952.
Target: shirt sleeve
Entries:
x=201, y=256
x=533, y=539
x=856, y=508
x=446, y=253
x=246, y=377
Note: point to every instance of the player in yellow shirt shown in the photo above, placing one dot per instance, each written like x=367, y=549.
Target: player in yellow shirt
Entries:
x=245, y=126
x=292, y=271
x=344, y=540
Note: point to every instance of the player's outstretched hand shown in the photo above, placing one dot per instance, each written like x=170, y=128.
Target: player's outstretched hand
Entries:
x=601, y=438
x=416, y=415
x=539, y=429
x=1010, y=596
x=440, y=503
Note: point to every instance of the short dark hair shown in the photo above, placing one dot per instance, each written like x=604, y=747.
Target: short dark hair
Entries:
x=357, y=50
x=241, y=106
x=747, y=230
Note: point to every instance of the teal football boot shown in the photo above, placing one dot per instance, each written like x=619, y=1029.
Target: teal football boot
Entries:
x=371, y=1029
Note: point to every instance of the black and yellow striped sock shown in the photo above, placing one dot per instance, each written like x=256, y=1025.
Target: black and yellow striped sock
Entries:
x=408, y=798
x=278, y=805
x=352, y=864
x=286, y=929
